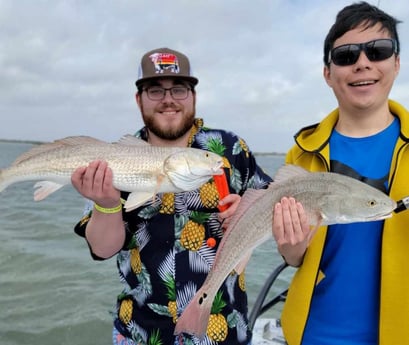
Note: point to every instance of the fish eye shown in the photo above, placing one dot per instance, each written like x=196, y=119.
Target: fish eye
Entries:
x=372, y=203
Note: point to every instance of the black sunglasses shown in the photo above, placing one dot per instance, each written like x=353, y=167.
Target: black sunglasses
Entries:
x=376, y=50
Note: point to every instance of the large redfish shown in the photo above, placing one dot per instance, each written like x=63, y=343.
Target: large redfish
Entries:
x=137, y=167
x=327, y=198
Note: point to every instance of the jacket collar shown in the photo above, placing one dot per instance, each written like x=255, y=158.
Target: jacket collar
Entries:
x=315, y=137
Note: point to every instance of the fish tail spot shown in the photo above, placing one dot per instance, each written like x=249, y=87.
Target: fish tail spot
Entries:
x=201, y=299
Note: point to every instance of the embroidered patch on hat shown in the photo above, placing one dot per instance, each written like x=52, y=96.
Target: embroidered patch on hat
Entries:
x=165, y=62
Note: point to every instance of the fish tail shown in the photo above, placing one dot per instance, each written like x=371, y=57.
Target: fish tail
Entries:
x=195, y=317
x=3, y=183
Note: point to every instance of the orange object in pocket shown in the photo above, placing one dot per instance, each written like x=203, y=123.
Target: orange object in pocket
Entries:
x=222, y=189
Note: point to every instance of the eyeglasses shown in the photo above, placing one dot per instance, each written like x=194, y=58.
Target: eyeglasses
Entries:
x=157, y=93
x=376, y=50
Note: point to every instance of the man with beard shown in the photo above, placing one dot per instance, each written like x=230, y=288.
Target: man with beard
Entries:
x=165, y=248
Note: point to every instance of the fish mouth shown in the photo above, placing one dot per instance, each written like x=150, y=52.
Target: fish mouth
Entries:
x=218, y=169
x=381, y=216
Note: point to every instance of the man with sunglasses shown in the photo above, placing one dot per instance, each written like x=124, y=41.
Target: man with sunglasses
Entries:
x=166, y=247
x=352, y=281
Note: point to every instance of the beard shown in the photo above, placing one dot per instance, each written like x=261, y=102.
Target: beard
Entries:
x=169, y=133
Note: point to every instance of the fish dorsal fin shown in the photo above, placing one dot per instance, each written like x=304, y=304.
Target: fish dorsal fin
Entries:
x=131, y=140
x=288, y=171
x=78, y=140
x=46, y=147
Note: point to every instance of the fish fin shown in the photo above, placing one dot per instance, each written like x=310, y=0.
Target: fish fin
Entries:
x=314, y=230
x=78, y=140
x=181, y=177
x=131, y=140
x=241, y=266
x=137, y=199
x=159, y=180
x=3, y=183
x=46, y=147
x=195, y=317
x=45, y=188
x=289, y=170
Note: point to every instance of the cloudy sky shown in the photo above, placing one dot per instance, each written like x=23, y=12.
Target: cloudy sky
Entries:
x=67, y=67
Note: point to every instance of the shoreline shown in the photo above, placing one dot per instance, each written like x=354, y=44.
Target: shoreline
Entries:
x=35, y=142
x=17, y=141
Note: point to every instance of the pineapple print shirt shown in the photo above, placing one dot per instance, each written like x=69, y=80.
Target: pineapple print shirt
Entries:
x=166, y=256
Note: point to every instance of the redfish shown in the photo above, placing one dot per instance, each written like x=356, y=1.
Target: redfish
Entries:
x=138, y=168
x=327, y=198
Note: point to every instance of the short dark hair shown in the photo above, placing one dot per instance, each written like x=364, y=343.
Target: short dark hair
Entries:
x=352, y=16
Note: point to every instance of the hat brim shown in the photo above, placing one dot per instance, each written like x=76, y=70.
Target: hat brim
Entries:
x=194, y=81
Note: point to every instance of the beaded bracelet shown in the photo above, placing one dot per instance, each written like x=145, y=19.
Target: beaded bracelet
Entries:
x=115, y=209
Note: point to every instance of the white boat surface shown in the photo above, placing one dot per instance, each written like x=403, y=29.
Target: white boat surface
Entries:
x=267, y=331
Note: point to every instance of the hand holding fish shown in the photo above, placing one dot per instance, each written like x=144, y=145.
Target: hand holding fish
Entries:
x=326, y=198
x=136, y=167
x=291, y=230
x=105, y=232
x=94, y=182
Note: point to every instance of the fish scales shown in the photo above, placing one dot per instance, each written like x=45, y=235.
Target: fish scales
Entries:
x=327, y=198
x=66, y=160
x=138, y=168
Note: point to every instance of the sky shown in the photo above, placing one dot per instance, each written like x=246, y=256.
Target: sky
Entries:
x=68, y=67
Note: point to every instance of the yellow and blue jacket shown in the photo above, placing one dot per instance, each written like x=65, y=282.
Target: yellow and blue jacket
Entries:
x=312, y=152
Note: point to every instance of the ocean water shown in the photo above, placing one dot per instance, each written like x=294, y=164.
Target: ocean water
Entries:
x=51, y=291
